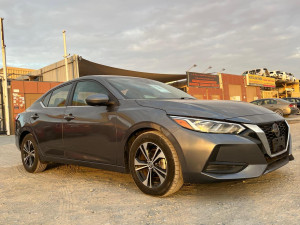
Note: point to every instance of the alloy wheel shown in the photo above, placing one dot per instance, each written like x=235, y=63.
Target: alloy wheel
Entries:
x=29, y=153
x=150, y=165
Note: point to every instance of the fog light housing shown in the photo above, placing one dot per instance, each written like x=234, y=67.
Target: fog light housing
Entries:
x=224, y=168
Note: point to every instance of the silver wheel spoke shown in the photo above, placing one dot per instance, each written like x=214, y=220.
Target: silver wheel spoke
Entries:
x=28, y=145
x=26, y=159
x=161, y=174
x=29, y=155
x=159, y=155
x=140, y=168
x=30, y=161
x=139, y=165
x=139, y=162
x=150, y=165
x=25, y=149
x=31, y=148
x=144, y=150
x=148, y=181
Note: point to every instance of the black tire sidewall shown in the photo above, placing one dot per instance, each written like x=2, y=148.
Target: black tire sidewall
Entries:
x=156, y=139
x=32, y=169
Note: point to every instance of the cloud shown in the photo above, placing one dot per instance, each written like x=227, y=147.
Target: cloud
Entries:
x=156, y=36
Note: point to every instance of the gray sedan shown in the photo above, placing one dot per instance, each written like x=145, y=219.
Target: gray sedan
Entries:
x=161, y=135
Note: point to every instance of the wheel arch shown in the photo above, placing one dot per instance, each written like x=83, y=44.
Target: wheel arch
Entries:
x=22, y=136
x=143, y=127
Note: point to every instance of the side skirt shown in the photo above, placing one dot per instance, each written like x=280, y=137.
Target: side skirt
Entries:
x=85, y=163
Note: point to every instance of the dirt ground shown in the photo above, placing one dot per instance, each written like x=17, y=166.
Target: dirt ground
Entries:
x=65, y=194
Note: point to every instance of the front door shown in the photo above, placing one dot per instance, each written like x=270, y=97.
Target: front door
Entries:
x=89, y=132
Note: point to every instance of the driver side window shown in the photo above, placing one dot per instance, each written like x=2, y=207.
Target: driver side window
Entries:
x=84, y=89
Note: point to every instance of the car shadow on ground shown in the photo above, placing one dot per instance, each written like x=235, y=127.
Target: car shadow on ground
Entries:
x=211, y=191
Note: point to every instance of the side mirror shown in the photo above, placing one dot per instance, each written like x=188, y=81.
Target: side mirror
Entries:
x=98, y=99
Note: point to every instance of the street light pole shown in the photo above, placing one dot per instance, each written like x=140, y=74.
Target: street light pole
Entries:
x=191, y=67
x=208, y=68
x=4, y=80
x=66, y=55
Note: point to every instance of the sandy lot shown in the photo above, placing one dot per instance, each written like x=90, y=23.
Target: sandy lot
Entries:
x=65, y=194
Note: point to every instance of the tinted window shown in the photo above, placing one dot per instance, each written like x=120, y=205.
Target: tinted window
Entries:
x=59, y=96
x=85, y=89
x=46, y=99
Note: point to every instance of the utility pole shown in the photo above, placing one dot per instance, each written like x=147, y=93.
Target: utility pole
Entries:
x=4, y=80
x=66, y=55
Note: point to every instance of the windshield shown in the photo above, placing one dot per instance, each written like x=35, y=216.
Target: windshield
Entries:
x=138, y=88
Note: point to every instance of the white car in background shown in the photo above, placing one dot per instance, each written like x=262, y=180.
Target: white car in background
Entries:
x=262, y=72
x=285, y=76
x=292, y=77
x=276, y=74
x=252, y=72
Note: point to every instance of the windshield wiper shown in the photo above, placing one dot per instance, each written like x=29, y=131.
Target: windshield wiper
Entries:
x=186, y=98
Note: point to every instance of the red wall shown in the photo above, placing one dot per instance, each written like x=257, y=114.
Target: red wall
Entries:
x=235, y=80
x=20, y=88
x=206, y=92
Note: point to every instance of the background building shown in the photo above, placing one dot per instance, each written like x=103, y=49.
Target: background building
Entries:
x=27, y=85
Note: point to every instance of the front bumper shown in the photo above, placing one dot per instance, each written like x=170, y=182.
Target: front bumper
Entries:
x=212, y=157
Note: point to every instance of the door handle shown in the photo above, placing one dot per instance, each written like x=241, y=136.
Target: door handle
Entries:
x=35, y=116
x=69, y=117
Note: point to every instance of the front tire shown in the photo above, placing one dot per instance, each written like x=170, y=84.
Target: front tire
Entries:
x=30, y=155
x=154, y=164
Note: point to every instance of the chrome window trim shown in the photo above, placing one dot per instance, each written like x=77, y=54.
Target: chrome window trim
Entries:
x=262, y=136
x=51, y=107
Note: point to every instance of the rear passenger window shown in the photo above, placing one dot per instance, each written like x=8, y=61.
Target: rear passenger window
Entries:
x=46, y=99
x=59, y=96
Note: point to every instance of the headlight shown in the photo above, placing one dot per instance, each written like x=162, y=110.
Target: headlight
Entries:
x=209, y=126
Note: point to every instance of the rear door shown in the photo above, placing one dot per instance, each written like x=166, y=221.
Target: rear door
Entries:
x=47, y=121
x=89, y=132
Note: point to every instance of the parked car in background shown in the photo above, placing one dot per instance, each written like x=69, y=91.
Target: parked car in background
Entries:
x=280, y=106
x=161, y=135
x=275, y=74
x=296, y=101
x=285, y=76
x=262, y=72
x=292, y=77
x=252, y=72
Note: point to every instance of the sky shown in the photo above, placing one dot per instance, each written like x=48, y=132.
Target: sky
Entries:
x=156, y=36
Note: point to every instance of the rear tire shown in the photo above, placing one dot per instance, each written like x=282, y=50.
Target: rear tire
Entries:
x=154, y=164
x=30, y=155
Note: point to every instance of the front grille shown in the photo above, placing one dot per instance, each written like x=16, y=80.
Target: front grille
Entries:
x=283, y=127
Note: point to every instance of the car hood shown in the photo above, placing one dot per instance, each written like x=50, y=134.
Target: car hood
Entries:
x=214, y=109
